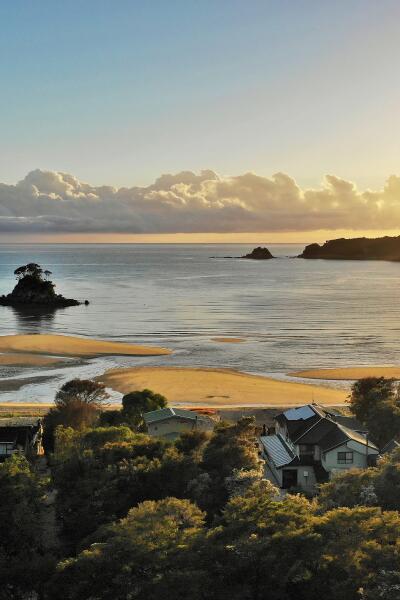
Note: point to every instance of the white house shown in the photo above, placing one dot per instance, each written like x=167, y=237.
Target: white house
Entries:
x=310, y=444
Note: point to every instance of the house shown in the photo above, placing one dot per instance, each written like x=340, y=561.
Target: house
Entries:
x=311, y=443
x=171, y=422
x=20, y=434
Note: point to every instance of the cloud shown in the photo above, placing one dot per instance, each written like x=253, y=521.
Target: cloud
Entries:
x=54, y=202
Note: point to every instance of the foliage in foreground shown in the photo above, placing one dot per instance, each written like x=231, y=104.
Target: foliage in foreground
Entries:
x=260, y=547
x=24, y=564
x=144, y=519
x=101, y=473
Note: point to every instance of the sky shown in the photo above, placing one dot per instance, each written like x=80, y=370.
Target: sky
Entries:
x=256, y=110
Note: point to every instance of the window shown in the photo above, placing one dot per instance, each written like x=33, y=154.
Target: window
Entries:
x=6, y=449
x=345, y=458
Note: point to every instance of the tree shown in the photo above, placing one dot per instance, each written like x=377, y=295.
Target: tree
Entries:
x=355, y=544
x=231, y=448
x=349, y=488
x=30, y=270
x=135, y=404
x=111, y=418
x=141, y=557
x=260, y=547
x=23, y=562
x=387, y=481
x=77, y=405
x=375, y=401
x=190, y=442
x=382, y=584
x=82, y=390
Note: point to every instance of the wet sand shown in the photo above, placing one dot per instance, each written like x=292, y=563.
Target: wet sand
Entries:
x=349, y=373
x=219, y=387
x=15, y=384
x=63, y=345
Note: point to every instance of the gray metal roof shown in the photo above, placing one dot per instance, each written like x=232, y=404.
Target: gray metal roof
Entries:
x=167, y=413
x=277, y=450
x=302, y=412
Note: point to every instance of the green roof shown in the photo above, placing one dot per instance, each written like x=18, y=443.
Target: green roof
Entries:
x=163, y=414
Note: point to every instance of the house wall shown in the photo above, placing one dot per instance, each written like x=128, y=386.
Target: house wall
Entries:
x=309, y=482
x=177, y=425
x=306, y=482
x=329, y=459
x=316, y=453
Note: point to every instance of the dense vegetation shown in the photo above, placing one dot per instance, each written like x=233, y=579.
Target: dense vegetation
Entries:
x=143, y=518
x=383, y=248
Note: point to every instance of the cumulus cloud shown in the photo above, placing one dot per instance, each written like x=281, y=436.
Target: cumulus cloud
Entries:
x=54, y=202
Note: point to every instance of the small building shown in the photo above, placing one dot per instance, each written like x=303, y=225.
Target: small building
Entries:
x=171, y=422
x=20, y=434
x=311, y=444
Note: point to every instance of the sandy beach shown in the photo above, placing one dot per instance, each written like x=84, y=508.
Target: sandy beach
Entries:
x=219, y=387
x=68, y=346
x=349, y=373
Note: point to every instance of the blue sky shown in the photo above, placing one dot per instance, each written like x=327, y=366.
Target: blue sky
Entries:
x=119, y=92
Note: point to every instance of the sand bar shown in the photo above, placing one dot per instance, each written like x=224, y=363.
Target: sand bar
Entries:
x=29, y=360
x=64, y=345
x=349, y=373
x=219, y=387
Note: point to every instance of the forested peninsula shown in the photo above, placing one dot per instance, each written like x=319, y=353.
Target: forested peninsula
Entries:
x=384, y=248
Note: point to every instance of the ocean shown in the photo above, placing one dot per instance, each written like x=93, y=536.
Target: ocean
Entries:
x=292, y=313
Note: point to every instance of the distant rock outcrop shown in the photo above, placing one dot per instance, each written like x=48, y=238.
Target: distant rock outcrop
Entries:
x=259, y=254
x=384, y=248
x=34, y=288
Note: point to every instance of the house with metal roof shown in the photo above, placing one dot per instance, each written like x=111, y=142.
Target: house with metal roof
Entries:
x=311, y=443
x=171, y=422
x=20, y=434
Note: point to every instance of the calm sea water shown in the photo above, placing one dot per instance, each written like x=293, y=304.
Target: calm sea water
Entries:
x=292, y=313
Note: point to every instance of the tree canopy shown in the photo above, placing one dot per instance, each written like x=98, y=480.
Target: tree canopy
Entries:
x=77, y=404
x=144, y=518
x=375, y=401
x=135, y=404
